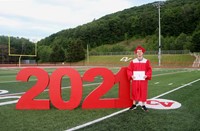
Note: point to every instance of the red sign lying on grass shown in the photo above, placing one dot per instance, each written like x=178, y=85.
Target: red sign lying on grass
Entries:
x=93, y=100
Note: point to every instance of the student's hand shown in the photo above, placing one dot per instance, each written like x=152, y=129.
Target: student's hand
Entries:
x=145, y=77
x=133, y=77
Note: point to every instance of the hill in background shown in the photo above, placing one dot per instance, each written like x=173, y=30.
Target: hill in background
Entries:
x=124, y=30
x=180, y=24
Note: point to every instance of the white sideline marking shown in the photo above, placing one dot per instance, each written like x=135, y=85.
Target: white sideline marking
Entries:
x=156, y=83
x=97, y=120
x=121, y=111
x=188, y=84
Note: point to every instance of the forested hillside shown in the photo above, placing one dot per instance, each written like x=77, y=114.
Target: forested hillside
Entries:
x=180, y=24
x=180, y=29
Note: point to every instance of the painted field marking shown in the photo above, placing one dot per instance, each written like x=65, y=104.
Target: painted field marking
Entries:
x=152, y=75
x=13, y=95
x=20, y=93
x=170, y=84
x=163, y=104
x=70, y=86
x=156, y=83
x=9, y=102
x=188, y=84
x=84, y=85
x=121, y=111
x=3, y=91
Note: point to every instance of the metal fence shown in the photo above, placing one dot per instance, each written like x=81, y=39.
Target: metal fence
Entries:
x=147, y=52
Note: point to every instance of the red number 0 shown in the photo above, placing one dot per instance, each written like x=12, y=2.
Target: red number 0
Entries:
x=55, y=88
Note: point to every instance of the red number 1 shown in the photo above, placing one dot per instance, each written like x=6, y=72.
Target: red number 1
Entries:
x=124, y=89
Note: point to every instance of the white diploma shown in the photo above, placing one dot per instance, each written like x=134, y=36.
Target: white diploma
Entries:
x=139, y=75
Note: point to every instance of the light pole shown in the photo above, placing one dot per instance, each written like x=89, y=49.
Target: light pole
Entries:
x=158, y=5
x=2, y=55
x=88, y=55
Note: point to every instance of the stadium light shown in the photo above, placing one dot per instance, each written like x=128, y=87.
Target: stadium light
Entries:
x=158, y=5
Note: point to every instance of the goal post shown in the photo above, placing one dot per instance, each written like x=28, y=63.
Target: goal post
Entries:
x=20, y=55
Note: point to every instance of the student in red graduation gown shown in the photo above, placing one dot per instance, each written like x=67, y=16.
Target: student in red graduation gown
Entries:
x=139, y=82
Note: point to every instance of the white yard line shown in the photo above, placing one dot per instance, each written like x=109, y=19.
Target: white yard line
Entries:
x=169, y=73
x=20, y=93
x=188, y=84
x=121, y=111
x=2, y=82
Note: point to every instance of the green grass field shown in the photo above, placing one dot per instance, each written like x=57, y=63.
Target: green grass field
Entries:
x=167, y=60
x=184, y=118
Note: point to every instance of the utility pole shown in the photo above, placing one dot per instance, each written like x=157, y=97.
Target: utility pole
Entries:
x=88, y=55
x=2, y=55
x=158, y=5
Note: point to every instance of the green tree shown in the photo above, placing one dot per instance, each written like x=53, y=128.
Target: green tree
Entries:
x=196, y=41
x=180, y=41
x=117, y=48
x=44, y=53
x=57, y=54
x=168, y=43
x=74, y=51
x=152, y=42
x=188, y=44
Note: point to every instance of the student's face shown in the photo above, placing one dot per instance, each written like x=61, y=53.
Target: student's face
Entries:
x=139, y=53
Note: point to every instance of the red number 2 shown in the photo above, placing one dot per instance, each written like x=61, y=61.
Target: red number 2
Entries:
x=27, y=100
x=94, y=100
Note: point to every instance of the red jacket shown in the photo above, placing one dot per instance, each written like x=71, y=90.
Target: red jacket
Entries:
x=139, y=87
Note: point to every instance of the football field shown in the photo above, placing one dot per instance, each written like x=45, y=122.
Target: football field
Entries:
x=178, y=84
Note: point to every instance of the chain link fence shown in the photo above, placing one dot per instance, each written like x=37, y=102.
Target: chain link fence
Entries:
x=147, y=52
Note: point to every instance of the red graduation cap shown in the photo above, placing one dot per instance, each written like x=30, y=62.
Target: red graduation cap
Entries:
x=139, y=48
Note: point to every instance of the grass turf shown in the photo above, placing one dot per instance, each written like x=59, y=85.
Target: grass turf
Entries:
x=53, y=119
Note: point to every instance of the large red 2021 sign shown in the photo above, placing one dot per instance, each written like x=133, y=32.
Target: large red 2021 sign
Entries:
x=92, y=101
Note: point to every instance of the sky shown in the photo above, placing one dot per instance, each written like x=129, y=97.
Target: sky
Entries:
x=37, y=19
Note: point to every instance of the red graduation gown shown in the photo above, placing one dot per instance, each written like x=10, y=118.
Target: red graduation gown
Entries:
x=139, y=87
